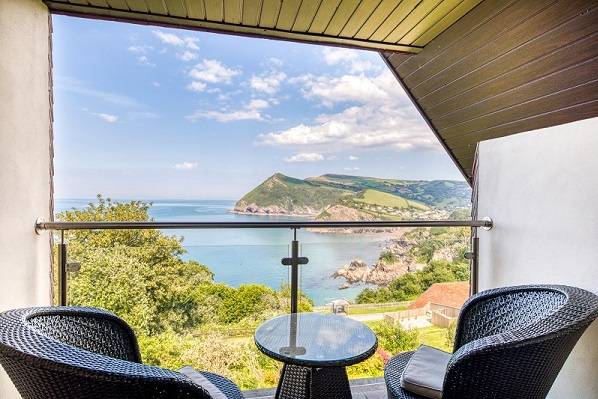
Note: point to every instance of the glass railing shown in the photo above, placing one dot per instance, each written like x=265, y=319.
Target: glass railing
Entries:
x=198, y=301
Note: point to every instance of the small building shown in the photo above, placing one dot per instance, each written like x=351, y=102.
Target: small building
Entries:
x=439, y=305
x=340, y=306
x=453, y=294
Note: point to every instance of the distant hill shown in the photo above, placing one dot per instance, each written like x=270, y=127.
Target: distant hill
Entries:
x=449, y=194
x=280, y=194
x=365, y=198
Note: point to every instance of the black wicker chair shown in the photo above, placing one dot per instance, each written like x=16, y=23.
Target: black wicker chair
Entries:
x=510, y=343
x=87, y=353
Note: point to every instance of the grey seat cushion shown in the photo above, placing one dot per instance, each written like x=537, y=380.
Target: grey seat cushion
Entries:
x=424, y=374
x=198, y=378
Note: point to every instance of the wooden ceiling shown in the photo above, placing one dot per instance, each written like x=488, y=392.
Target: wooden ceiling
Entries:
x=507, y=67
x=393, y=25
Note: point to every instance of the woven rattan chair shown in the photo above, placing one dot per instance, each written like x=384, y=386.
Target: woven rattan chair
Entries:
x=87, y=353
x=510, y=343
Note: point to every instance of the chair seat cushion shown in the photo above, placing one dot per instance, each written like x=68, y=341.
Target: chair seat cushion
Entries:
x=392, y=377
x=202, y=380
x=424, y=373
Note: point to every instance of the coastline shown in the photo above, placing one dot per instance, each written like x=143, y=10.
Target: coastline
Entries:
x=298, y=215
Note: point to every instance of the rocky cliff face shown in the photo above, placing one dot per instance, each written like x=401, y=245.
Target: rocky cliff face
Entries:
x=252, y=208
x=381, y=273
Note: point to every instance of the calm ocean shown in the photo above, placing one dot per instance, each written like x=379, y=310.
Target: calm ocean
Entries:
x=253, y=255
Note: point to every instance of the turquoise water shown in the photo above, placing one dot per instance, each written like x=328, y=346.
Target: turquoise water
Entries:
x=244, y=256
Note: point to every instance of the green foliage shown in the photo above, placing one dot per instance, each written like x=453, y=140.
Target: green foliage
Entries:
x=316, y=193
x=258, y=302
x=180, y=315
x=411, y=285
x=461, y=214
x=205, y=349
x=451, y=332
x=437, y=193
x=395, y=339
x=435, y=337
x=372, y=367
x=375, y=197
x=138, y=274
x=290, y=194
x=428, y=241
x=387, y=257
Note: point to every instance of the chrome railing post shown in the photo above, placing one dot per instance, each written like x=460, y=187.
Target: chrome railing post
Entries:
x=475, y=247
x=294, y=273
x=62, y=270
x=294, y=261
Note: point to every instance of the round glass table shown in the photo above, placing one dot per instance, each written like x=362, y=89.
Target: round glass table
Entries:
x=315, y=348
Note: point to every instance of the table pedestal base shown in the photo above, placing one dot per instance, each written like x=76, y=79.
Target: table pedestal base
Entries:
x=297, y=382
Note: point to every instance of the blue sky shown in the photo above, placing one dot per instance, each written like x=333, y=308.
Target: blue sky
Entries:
x=148, y=112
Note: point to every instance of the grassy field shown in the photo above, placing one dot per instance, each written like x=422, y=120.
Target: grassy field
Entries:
x=374, y=197
x=373, y=310
x=434, y=336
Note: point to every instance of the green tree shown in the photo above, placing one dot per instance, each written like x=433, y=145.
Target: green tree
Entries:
x=138, y=274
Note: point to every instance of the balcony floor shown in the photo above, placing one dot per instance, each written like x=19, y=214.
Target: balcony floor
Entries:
x=363, y=388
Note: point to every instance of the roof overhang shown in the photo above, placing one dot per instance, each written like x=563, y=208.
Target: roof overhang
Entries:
x=390, y=25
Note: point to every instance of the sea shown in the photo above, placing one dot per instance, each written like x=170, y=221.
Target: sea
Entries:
x=244, y=256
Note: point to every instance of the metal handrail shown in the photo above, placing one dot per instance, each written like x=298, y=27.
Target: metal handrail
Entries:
x=57, y=225
x=294, y=261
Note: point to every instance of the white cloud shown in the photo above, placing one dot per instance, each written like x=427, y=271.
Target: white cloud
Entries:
x=353, y=158
x=258, y=104
x=305, y=157
x=191, y=43
x=140, y=49
x=196, y=86
x=349, y=88
x=106, y=117
x=276, y=61
x=156, y=84
x=333, y=56
x=358, y=127
x=250, y=111
x=169, y=38
x=187, y=55
x=143, y=60
x=225, y=116
x=267, y=83
x=186, y=165
x=380, y=115
x=175, y=40
x=352, y=168
x=213, y=71
x=349, y=58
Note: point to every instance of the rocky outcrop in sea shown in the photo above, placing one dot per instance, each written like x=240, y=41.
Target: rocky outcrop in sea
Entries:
x=382, y=272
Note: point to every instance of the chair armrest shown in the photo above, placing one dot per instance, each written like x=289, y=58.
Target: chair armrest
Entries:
x=91, y=329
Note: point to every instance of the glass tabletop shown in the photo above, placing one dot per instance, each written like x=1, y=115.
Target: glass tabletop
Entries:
x=315, y=339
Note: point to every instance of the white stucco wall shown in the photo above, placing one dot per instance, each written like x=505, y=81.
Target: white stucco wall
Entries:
x=24, y=158
x=541, y=190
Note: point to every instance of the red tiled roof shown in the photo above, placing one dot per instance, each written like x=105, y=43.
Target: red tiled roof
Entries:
x=448, y=294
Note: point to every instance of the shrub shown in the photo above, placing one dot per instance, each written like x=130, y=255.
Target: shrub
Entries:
x=388, y=257
x=394, y=338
